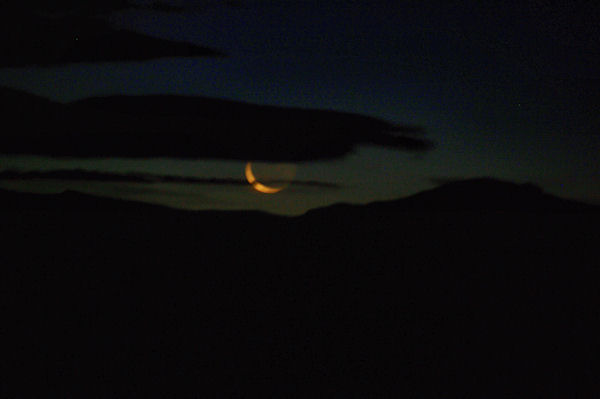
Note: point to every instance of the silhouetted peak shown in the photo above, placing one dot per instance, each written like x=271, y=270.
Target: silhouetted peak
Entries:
x=490, y=194
x=470, y=195
x=488, y=188
x=491, y=183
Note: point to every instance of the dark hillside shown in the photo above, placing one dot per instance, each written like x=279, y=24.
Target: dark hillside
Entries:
x=120, y=299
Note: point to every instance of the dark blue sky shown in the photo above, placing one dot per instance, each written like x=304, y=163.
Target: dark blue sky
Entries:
x=505, y=90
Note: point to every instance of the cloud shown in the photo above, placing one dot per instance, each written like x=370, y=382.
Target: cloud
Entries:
x=80, y=174
x=191, y=127
x=37, y=39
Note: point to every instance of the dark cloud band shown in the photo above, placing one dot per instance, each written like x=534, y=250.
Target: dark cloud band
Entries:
x=192, y=128
x=28, y=39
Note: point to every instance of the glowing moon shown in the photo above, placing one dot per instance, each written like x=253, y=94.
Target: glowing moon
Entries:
x=259, y=186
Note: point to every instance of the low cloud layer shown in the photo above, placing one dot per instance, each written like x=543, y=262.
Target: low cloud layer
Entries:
x=93, y=176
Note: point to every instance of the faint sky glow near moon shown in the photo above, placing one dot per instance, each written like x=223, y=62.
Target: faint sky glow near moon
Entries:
x=277, y=175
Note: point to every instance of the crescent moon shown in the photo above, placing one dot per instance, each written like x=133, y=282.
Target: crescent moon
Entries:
x=257, y=185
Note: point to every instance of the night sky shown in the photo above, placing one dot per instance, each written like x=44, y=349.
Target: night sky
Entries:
x=506, y=91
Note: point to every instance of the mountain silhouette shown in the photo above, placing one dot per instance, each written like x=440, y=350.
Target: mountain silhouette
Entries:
x=483, y=194
x=492, y=194
x=105, y=297
x=470, y=195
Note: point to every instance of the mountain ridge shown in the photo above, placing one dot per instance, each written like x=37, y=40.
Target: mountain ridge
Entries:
x=477, y=194
x=359, y=301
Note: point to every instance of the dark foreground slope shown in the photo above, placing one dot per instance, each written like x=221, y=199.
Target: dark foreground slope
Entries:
x=104, y=298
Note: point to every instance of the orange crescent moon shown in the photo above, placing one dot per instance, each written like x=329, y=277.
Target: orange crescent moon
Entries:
x=259, y=186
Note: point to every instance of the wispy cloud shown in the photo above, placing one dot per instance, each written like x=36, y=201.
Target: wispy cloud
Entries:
x=58, y=33
x=94, y=176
